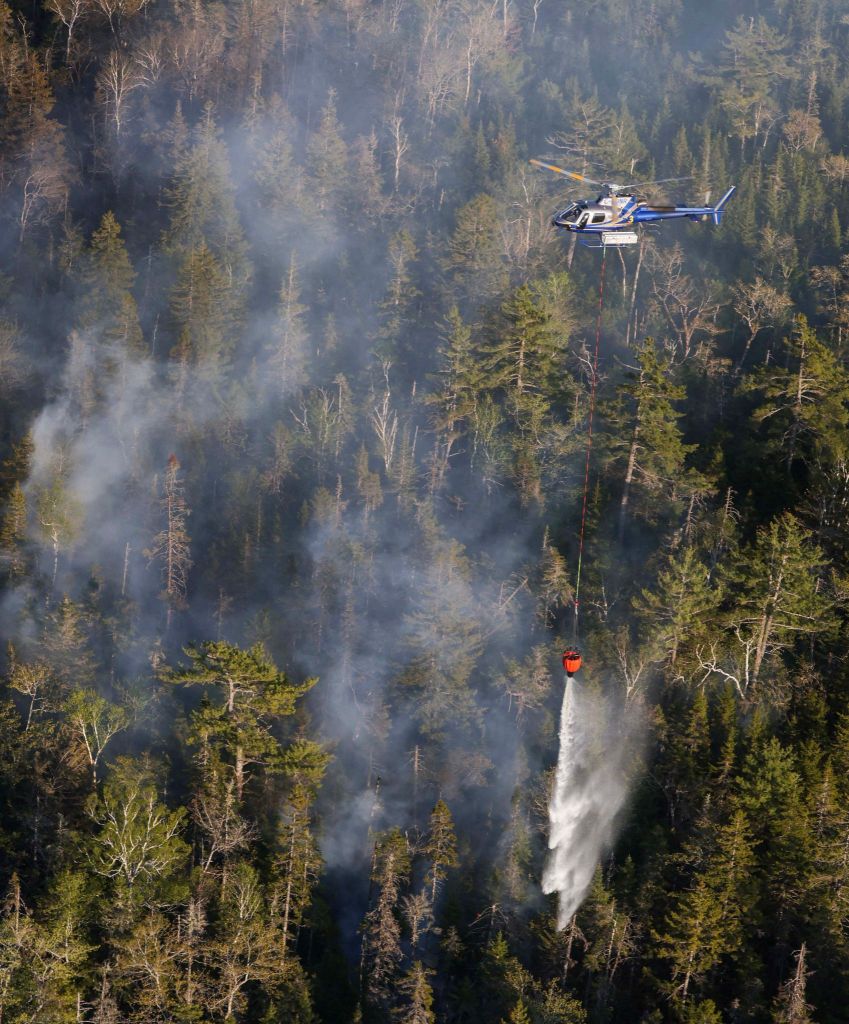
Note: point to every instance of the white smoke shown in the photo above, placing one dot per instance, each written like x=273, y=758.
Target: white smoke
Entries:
x=589, y=790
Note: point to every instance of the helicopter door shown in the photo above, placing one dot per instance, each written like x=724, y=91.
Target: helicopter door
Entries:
x=583, y=220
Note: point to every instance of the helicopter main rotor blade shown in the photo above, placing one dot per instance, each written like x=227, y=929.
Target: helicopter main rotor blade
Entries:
x=659, y=181
x=566, y=174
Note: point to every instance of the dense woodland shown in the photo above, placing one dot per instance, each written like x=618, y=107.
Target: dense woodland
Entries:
x=295, y=380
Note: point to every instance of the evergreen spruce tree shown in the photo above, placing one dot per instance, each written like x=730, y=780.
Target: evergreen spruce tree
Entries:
x=440, y=847
x=779, y=594
x=327, y=157
x=642, y=432
x=13, y=530
x=418, y=994
x=675, y=612
x=204, y=213
x=474, y=258
x=287, y=348
x=382, y=952
x=107, y=305
x=204, y=311
x=171, y=545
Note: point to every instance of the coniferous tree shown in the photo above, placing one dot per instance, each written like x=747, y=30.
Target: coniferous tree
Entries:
x=382, y=952
x=288, y=345
x=416, y=989
x=440, y=847
x=171, y=545
x=327, y=156
x=250, y=694
x=779, y=592
x=13, y=531
x=643, y=431
x=790, y=1005
x=475, y=259
x=674, y=612
x=204, y=213
x=107, y=305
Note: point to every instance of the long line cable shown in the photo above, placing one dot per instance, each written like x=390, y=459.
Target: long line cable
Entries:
x=589, y=446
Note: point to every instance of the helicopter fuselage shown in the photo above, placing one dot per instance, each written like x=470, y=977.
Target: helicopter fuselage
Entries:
x=621, y=213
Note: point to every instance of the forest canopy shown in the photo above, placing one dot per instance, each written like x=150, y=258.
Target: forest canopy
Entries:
x=295, y=385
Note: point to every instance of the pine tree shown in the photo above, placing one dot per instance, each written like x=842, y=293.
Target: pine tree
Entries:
x=204, y=312
x=455, y=395
x=525, y=361
x=298, y=862
x=250, y=693
x=503, y=979
x=771, y=796
x=706, y=921
x=15, y=469
x=519, y=1014
x=830, y=826
x=65, y=645
x=204, y=214
x=692, y=940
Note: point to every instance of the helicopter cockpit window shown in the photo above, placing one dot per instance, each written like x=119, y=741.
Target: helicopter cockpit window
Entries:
x=598, y=218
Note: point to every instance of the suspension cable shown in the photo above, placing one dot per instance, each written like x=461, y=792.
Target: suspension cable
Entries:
x=589, y=445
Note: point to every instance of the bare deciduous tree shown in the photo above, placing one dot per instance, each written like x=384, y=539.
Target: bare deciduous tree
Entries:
x=384, y=421
x=687, y=307
x=69, y=12
x=760, y=307
x=119, y=76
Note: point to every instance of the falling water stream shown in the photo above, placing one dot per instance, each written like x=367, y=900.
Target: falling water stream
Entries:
x=589, y=790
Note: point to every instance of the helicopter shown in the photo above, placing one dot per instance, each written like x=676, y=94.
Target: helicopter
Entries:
x=611, y=218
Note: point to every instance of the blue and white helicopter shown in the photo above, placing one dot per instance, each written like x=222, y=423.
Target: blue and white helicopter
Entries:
x=612, y=217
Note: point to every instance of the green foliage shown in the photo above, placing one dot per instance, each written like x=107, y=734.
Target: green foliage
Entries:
x=107, y=306
x=643, y=437
x=137, y=846
x=779, y=593
x=299, y=244
x=248, y=695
